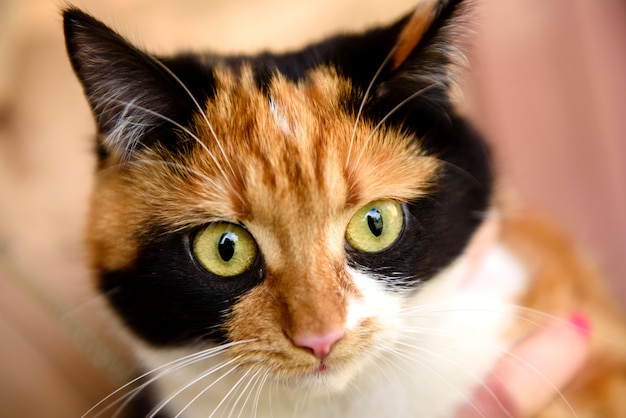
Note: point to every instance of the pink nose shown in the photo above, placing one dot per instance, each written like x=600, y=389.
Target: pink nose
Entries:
x=319, y=345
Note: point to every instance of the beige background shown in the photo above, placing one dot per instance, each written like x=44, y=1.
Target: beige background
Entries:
x=548, y=87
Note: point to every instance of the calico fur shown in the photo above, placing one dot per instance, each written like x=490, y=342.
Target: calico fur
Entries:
x=290, y=146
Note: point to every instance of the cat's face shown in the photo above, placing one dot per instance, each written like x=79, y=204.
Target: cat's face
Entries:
x=291, y=204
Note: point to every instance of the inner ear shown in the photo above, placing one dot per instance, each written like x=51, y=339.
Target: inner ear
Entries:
x=414, y=31
x=426, y=62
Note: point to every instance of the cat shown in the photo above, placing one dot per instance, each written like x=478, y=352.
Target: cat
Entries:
x=292, y=235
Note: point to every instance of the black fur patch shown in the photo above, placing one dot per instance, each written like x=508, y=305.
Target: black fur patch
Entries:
x=439, y=226
x=355, y=57
x=167, y=298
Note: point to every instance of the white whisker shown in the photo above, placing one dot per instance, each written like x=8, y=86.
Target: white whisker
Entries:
x=457, y=168
x=235, y=386
x=131, y=395
x=544, y=378
x=391, y=112
x=384, y=373
x=413, y=362
x=364, y=101
x=245, y=390
x=464, y=369
x=160, y=371
x=193, y=382
x=437, y=309
x=200, y=110
x=257, y=397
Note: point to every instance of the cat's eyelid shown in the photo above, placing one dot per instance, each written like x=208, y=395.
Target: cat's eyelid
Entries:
x=214, y=221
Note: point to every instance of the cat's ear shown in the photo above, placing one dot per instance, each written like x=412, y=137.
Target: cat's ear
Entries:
x=135, y=97
x=419, y=58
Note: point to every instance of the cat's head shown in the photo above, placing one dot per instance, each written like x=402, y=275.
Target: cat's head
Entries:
x=292, y=201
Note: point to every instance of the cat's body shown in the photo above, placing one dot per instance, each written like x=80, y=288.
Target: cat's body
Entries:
x=317, y=217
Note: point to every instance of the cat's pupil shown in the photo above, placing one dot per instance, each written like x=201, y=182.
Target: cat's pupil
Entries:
x=226, y=246
x=375, y=222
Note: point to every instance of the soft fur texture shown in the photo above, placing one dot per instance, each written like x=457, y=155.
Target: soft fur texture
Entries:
x=290, y=147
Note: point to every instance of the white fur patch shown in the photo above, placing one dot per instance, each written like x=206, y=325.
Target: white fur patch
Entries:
x=280, y=118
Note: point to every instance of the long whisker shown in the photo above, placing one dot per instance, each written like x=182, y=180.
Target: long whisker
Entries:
x=464, y=369
x=177, y=367
x=455, y=167
x=131, y=395
x=163, y=369
x=235, y=386
x=501, y=350
x=375, y=363
x=273, y=388
x=392, y=111
x=200, y=110
x=257, y=397
x=364, y=101
x=411, y=97
x=412, y=361
x=243, y=391
x=256, y=389
x=505, y=351
x=209, y=372
x=545, y=379
x=438, y=308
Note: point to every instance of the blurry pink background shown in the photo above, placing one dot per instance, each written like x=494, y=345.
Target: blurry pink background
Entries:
x=548, y=88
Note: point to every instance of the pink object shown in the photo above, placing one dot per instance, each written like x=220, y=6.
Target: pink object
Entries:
x=319, y=345
x=581, y=323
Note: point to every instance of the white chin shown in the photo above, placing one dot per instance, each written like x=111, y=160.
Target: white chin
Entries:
x=326, y=382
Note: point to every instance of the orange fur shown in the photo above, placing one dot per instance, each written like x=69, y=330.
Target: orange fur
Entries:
x=113, y=229
x=564, y=281
x=414, y=31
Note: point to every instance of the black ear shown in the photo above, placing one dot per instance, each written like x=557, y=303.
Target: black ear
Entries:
x=136, y=98
x=414, y=61
x=425, y=63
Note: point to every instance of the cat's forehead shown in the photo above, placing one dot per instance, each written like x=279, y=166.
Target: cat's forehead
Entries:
x=297, y=147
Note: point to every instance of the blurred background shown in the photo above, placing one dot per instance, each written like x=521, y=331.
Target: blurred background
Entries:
x=547, y=87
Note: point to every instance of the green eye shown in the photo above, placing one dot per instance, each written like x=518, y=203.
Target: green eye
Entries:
x=225, y=249
x=376, y=226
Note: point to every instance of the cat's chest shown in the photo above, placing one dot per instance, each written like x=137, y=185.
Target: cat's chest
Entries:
x=440, y=344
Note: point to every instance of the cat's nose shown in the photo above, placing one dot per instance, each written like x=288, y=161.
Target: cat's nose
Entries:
x=319, y=345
